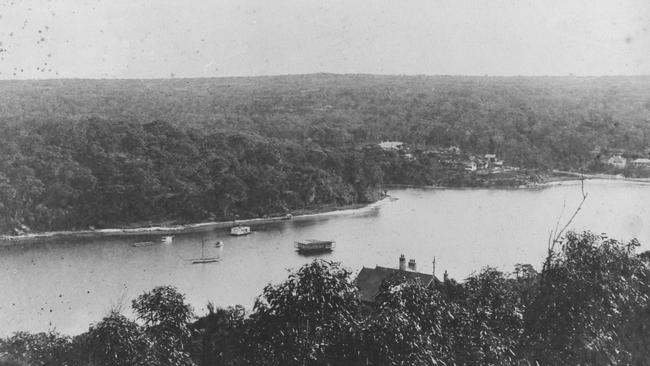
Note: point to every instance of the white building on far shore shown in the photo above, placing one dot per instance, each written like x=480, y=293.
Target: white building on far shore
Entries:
x=617, y=161
x=641, y=163
x=391, y=145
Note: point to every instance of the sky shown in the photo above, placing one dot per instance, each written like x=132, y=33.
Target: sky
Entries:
x=183, y=38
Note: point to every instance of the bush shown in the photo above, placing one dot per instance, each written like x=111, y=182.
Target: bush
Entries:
x=117, y=341
x=588, y=291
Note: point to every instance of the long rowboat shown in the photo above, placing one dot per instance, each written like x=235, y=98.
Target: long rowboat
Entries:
x=144, y=244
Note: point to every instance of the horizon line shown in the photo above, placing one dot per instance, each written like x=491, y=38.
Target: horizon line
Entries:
x=571, y=75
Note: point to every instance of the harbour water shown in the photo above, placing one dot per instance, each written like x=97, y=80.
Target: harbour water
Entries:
x=66, y=284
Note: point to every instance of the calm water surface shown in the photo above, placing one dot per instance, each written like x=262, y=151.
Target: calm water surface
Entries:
x=69, y=284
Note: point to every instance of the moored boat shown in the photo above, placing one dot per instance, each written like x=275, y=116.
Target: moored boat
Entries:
x=144, y=244
x=313, y=245
x=203, y=258
x=167, y=239
x=218, y=244
x=240, y=230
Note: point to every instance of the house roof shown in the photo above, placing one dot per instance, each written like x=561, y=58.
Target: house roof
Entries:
x=370, y=279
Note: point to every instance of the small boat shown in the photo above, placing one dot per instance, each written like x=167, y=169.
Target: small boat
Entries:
x=218, y=244
x=313, y=245
x=144, y=244
x=167, y=239
x=288, y=217
x=240, y=230
x=203, y=258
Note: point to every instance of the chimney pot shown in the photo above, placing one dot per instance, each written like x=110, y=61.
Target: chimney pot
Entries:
x=412, y=265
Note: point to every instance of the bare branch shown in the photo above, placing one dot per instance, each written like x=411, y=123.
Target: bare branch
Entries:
x=558, y=234
x=557, y=223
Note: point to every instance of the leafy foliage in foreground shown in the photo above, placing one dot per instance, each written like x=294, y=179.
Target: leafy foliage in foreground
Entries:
x=166, y=319
x=305, y=319
x=117, y=341
x=588, y=306
x=49, y=348
x=588, y=293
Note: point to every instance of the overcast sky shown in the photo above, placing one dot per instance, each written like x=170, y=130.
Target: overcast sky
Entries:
x=175, y=38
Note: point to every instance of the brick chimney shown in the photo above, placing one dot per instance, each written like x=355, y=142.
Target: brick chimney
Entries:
x=412, y=265
x=402, y=263
x=434, y=267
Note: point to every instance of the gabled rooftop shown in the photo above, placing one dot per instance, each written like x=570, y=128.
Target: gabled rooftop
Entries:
x=369, y=280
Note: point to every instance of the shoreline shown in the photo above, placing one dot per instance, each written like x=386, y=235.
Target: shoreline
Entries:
x=8, y=240
x=560, y=178
x=566, y=176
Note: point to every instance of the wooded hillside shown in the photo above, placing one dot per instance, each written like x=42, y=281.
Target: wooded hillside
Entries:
x=80, y=153
x=529, y=121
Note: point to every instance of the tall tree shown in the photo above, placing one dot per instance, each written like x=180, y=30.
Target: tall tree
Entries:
x=306, y=320
x=166, y=318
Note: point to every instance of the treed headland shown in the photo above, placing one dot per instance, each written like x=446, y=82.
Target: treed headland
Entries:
x=79, y=154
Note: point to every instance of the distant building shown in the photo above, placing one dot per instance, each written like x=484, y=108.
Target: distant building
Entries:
x=470, y=166
x=391, y=145
x=641, y=163
x=369, y=280
x=491, y=160
x=617, y=161
x=481, y=163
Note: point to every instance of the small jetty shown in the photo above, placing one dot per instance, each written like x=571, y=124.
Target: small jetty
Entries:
x=314, y=246
x=240, y=230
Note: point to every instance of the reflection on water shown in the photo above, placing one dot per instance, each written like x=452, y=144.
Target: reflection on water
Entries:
x=69, y=283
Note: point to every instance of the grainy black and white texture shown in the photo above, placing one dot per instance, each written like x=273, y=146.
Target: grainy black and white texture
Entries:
x=472, y=176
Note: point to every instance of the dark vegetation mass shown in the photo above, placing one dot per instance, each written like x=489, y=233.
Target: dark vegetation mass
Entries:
x=587, y=306
x=76, y=154
x=99, y=173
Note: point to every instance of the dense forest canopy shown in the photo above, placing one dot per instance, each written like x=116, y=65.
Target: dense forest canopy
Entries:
x=96, y=153
x=99, y=173
x=530, y=121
